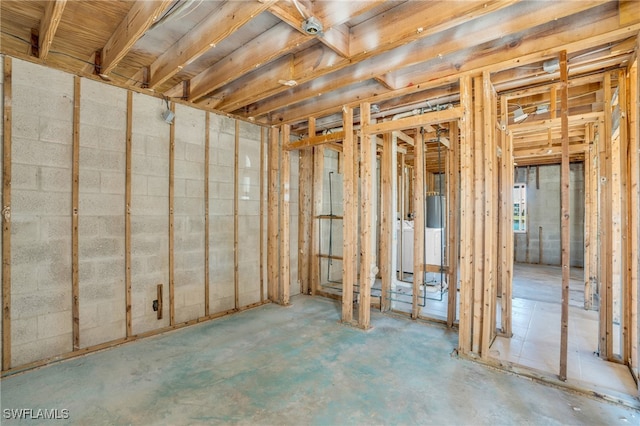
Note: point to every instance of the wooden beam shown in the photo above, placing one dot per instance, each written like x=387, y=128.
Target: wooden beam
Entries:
x=305, y=215
x=350, y=219
x=75, y=201
x=506, y=226
x=139, y=19
x=49, y=25
x=172, y=168
x=565, y=242
x=388, y=217
x=127, y=213
x=207, y=154
x=418, y=221
x=272, y=212
x=236, y=234
x=225, y=20
x=285, y=214
x=263, y=49
x=7, y=140
x=479, y=217
x=314, y=140
x=416, y=120
x=368, y=268
x=606, y=293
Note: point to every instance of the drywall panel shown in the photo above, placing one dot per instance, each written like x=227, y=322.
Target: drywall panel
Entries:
x=248, y=214
x=41, y=324
x=221, y=221
x=149, y=213
x=188, y=213
x=103, y=120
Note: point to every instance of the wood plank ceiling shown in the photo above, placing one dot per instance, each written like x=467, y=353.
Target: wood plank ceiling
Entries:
x=253, y=58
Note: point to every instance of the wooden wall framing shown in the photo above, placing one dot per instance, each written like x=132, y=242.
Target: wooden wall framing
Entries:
x=6, y=214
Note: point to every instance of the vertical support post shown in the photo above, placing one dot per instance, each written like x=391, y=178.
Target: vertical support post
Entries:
x=606, y=268
x=6, y=215
x=318, y=176
x=207, y=144
x=565, y=208
x=418, y=220
x=236, y=254
x=387, y=170
x=350, y=215
x=368, y=269
x=272, y=224
x=465, y=327
x=506, y=224
x=75, y=198
x=127, y=213
x=594, y=189
x=489, y=297
x=285, y=257
x=634, y=210
x=453, y=170
x=479, y=217
x=172, y=160
x=261, y=180
x=305, y=213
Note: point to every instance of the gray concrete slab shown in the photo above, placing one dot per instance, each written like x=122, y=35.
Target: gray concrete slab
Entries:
x=297, y=365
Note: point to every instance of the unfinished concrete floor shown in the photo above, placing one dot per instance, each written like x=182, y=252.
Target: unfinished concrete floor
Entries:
x=297, y=365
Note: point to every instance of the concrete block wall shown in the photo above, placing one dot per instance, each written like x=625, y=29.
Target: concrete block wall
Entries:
x=189, y=213
x=149, y=212
x=42, y=210
x=543, y=207
x=41, y=319
x=221, y=193
x=101, y=237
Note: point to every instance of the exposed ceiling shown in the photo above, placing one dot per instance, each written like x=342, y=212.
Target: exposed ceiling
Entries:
x=254, y=59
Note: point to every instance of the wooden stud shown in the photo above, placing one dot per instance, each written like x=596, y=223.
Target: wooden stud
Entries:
x=305, y=214
x=262, y=166
x=488, y=299
x=564, y=218
x=272, y=212
x=285, y=257
x=606, y=294
x=506, y=224
x=172, y=160
x=318, y=178
x=453, y=201
x=75, y=198
x=418, y=220
x=465, y=327
x=6, y=214
x=634, y=211
x=621, y=225
x=236, y=283
x=591, y=218
x=127, y=213
x=207, y=154
x=388, y=212
x=350, y=219
x=368, y=268
x=479, y=222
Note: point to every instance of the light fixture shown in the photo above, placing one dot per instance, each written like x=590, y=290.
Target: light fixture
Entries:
x=541, y=109
x=167, y=115
x=312, y=26
x=551, y=66
x=519, y=115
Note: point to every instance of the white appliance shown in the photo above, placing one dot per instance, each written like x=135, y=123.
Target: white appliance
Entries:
x=432, y=250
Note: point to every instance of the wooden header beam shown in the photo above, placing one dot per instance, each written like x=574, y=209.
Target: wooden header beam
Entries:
x=49, y=25
x=314, y=141
x=414, y=121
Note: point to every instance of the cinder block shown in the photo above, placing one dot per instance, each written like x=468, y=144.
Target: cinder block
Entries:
x=101, y=247
x=154, y=225
x=221, y=174
x=26, y=151
x=220, y=207
x=187, y=313
x=249, y=131
x=249, y=297
x=149, y=206
x=101, y=204
x=189, y=206
x=88, y=314
x=41, y=303
x=25, y=228
x=51, y=129
x=55, y=179
x=89, y=181
x=150, y=166
x=55, y=227
x=102, y=159
x=195, y=152
x=189, y=170
x=54, y=324
x=24, y=330
x=195, y=188
x=93, y=292
x=227, y=125
x=24, y=177
x=158, y=185
x=24, y=125
x=107, y=332
x=54, y=276
x=41, y=349
x=97, y=114
x=112, y=183
x=22, y=279
x=218, y=304
x=225, y=191
x=157, y=146
x=111, y=311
